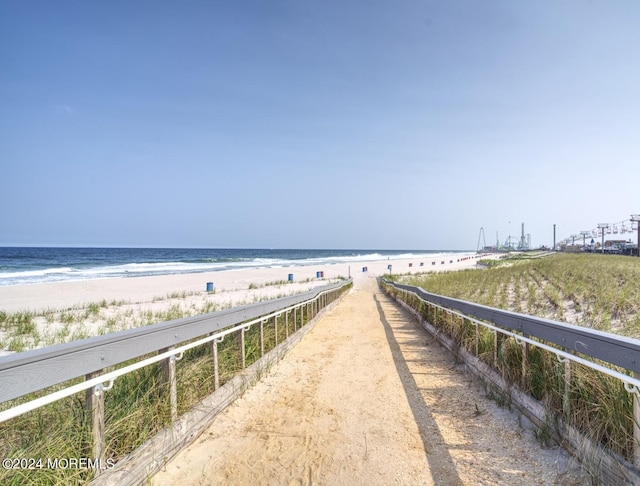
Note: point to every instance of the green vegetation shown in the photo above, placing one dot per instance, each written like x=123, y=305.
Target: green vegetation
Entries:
x=21, y=331
x=136, y=408
x=596, y=291
x=280, y=283
x=590, y=290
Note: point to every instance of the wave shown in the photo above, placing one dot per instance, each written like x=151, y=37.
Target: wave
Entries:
x=113, y=271
x=84, y=271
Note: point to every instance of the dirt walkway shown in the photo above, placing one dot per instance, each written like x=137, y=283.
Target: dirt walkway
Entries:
x=367, y=397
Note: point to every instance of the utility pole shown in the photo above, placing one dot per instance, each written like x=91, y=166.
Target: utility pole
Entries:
x=602, y=227
x=584, y=238
x=635, y=218
x=554, y=237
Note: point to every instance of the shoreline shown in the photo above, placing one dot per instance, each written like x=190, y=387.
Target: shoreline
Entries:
x=56, y=296
x=27, y=266
x=41, y=315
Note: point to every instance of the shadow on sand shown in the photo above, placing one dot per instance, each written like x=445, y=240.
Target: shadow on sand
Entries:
x=443, y=469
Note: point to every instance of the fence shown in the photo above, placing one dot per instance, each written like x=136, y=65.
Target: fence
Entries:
x=33, y=380
x=512, y=351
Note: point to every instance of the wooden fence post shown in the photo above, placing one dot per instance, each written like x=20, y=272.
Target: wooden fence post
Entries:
x=525, y=364
x=275, y=325
x=300, y=320
x=169, y=378
x=216, y=369
x=242, y=356
x=566, y=396
x=636, y=425
x=286, y=323
x=94, y=399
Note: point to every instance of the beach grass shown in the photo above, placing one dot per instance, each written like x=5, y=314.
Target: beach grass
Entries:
x=590, y=290
x=25, y=330
x=136, y=408
x=596, y=291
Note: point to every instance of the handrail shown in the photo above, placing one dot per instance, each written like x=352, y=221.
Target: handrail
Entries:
x=614, y=349
x=604, y=353
x=31, y=371
x=175, y=353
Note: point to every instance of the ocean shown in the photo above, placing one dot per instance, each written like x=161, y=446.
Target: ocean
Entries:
x=29, y=265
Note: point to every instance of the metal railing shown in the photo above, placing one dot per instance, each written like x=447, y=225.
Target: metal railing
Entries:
x=613, y=355
x=611, y=348
x=99, y=361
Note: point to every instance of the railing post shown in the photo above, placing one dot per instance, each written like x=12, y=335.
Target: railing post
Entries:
x=477, y=340
x=566, y=396
x=525, y=363
x=216, y=369
x=94, y=399
x=169, y=378
x=275, y=326
x=286, y=323
x=262, y=337
x=636, y=425
x=242, y=355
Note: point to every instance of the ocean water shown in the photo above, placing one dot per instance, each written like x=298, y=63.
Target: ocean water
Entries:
x=27, y=265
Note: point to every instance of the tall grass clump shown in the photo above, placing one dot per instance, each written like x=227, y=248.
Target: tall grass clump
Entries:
x=56, y=430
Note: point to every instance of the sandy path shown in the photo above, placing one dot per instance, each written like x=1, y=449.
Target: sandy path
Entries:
x=366, y=398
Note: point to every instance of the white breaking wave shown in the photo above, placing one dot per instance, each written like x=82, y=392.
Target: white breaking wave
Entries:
x=59, y=274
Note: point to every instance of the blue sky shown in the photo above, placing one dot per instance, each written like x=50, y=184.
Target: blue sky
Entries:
x=305, y=124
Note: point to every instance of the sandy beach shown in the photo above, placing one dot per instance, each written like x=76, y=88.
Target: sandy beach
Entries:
x=67, y=311
x=140, y=290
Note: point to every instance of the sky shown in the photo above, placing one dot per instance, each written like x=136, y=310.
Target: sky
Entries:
x=398, y=124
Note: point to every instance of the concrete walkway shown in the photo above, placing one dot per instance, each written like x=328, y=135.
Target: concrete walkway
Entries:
x=367, y=397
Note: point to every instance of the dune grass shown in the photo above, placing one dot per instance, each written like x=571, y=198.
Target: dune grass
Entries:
x=590, y=290
x=596, y=291
x=136, y=408
x=25, y=330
